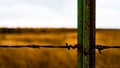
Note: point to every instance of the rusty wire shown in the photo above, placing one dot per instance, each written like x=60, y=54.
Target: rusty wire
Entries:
x=102, y=47
x=99, y=47
x=39, y=46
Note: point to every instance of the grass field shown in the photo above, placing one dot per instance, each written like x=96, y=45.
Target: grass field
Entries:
x=110, y=58
x=54, y=58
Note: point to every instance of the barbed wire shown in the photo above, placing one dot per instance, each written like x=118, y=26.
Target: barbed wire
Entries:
x=39, y=46
x=102, y=47
x=99, y=47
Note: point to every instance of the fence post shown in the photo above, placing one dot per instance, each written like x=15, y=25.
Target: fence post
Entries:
x=86, y=33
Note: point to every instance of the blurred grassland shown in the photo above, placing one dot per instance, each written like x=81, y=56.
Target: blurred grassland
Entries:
x=54, y=58
x=110, y=58
x=38, y=58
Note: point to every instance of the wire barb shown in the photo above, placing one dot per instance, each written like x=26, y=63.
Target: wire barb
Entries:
x=101, y=47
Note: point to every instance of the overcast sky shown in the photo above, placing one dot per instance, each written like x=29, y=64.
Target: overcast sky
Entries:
x=108, y=14
x=55, y=13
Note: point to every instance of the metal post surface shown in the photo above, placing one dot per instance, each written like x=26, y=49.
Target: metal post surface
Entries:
x=86, y=33
x=80, y=34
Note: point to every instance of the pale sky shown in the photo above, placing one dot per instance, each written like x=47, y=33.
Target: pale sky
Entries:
x=108, y=14
x=55, y=13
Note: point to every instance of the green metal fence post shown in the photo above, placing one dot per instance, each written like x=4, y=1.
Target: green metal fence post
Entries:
x=80, y=34
x=86, y=33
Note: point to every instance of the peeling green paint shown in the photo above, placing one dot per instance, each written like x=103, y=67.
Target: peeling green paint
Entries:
x=86, y=13
x=86, y=33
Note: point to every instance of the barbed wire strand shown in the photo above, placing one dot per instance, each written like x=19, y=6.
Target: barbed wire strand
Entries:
x=39, y=46
x=99, y=47
x=102, y=47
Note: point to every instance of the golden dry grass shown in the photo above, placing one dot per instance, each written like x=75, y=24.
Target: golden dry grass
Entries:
x=55, y=58
x=38, y=58
x=110, y=58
